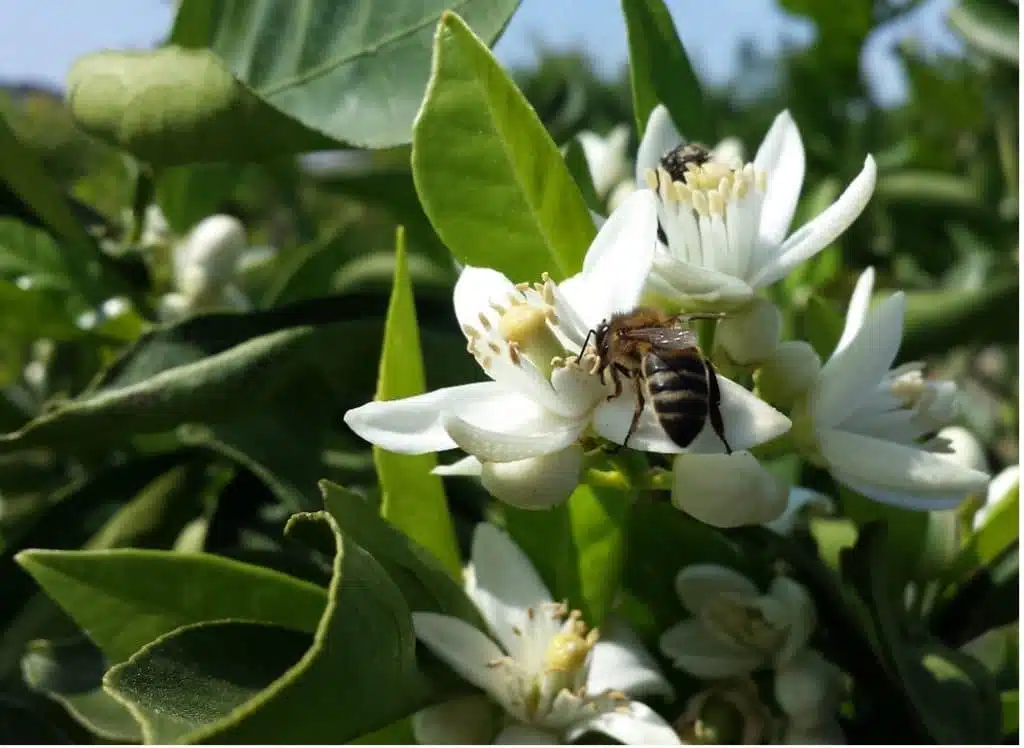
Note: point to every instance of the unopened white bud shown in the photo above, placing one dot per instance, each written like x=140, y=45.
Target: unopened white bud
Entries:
x=788, y=373
x=209, y=254
x=751, y=335
x=536, y=482
x=807, y=688
x=727, y=490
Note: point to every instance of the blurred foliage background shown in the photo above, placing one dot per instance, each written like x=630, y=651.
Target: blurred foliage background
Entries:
x=943, y=225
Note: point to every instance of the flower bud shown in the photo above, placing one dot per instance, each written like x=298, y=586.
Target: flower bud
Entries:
x=807, y=688
x=788, y=373
x=208, y=256
x=467, y=720
x=727, y=490
x=751, y=335
x=965, y=449
x=536, y=482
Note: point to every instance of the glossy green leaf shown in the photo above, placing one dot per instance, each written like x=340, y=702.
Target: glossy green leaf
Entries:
x=660, y=71
x=424, y=582
x=124, y=599
x=1011, y=711
x=489, y=176
x=998, y=649
x=929, y=188
x=990, y=26
x=412, y=498
x=906, y=532
x=598, y=520
x=188, y=194
x=102, y=715
x=952, y=696
x=354, y=71
x=992, y=539
x=376, y=681
x=173, y=106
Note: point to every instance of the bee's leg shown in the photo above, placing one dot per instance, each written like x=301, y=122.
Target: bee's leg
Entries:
x=714, y=403
x=617, y=371
x=636, y=413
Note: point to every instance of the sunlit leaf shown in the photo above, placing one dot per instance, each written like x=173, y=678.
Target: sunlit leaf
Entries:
x=490, y=178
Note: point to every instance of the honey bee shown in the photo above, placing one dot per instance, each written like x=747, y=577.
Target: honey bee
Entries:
x=676, y=161
x=668, y=369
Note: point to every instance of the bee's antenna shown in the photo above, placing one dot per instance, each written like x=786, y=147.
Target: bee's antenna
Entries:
x=586, y=340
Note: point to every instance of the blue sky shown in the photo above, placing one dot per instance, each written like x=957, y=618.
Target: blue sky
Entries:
x=40, y=40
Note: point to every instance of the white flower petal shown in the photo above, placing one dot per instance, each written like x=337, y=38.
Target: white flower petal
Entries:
x=467, y=466
x=465, y=649
x=729, y=151
x=536, y=482
x=895, y=473
x=518, y=734
x=505, y=584
x=413, y=425
x=856, y=310
x=1002, y=484
x=821, y=231
x=727, y=490
x=805, y=687
x=747, y=421
x=751, y=335
x=660, y=137
x=799, y=502
x=850, y=376
x=693, y=648
x=618, y=262
x=699, y=584
x=474, y=291
x=543, y=435
x=638, y=724
x=698, y=284
x=781, y=158
x=799, y=607
x=466, y=720
x=620, y=662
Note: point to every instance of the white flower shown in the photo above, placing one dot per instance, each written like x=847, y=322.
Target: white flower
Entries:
x=726, y=225
x=964, y=447
x=800, y=503
x=865, y=422
x=1002, y=487
x=553, y=679
x=155, y=229
x=788, y=373
x=521, y=430
x=205, y=264
x=606, y=158
x=751, y=335
x=735, y=628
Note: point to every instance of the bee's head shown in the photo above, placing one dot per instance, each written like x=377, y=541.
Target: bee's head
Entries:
x=601, y=337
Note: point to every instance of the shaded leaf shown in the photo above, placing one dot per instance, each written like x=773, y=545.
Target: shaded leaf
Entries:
x=576, y=162
x=354, y=71
x=489, y=176
x=990, y=26
x=412, y=498
x=823, y=325
x=124, y=599
x=660, y=71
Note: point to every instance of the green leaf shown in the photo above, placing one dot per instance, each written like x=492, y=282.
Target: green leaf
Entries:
x=81, y=259
x=1011, y=711
x=931, y=189
x=412, y=498
x=823, y=325
x=906, y=534
x=990, y=26
x=489, y=176
x=375, y=681
x=660, y=71
x=354, y=71
x=576, y=162
x=598, y=520
x=124, y=599
x=424, y=582
x=101, y=714
x=173, y=106
x=987, y=545
x=936, y=321
x=998, y=650
x=954, y=698
x=188, y=194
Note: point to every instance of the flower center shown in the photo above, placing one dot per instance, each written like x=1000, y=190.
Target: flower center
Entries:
x=567, y=652
x=526, y=329
x=935, y=401
x=706, y=187
x=744, y=624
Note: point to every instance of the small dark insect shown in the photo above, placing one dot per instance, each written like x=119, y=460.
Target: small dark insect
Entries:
x=667, y=367
x=676, y=161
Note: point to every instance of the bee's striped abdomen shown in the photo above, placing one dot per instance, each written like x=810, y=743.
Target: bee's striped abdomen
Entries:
x=677, y=382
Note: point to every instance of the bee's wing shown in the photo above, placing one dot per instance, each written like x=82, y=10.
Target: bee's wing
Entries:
x=662, y=337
